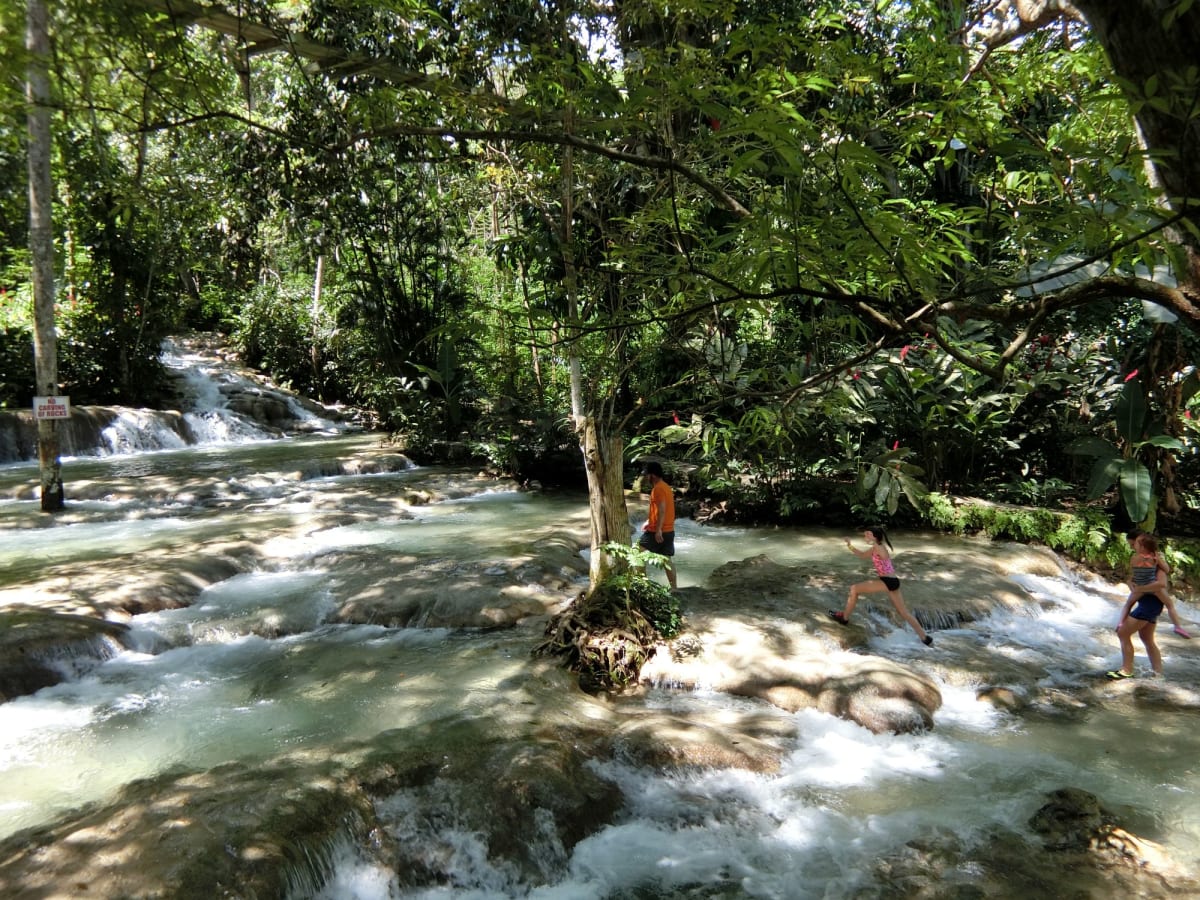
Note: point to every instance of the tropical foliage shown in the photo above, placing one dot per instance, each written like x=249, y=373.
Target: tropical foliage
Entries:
x=815, y=251
x=607, y=634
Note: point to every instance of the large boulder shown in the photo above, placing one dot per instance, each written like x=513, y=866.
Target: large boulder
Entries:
x=662, y=740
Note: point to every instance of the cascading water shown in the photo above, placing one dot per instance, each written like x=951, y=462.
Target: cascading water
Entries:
x=219, y=403
x=207, y=386
x=846, y=803
x=263, y=664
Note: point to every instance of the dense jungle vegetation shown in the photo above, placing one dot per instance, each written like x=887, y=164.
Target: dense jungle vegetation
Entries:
x=830, y=259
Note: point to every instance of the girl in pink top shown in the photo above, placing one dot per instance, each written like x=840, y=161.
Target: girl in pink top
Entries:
x=887, y=581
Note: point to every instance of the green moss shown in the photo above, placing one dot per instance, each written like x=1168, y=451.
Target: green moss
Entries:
x=606, y=635
x=1083, y=535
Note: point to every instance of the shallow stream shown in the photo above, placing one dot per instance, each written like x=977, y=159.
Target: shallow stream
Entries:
x=203, y=688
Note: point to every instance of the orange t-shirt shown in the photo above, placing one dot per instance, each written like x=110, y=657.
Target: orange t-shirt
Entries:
x=661, y=493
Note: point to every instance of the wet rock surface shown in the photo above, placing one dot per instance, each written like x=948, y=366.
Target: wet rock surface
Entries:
x=521, y=784
x=40, y=648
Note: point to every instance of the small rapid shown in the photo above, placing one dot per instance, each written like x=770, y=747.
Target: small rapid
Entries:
x=277, y=605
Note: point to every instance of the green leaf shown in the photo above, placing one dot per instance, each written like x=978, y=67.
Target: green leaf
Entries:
x=870, y=477
x=1136, y=488
x=1093, y=446
x=1165, y=441
x=675, y=434
x=882, y=490
x=1104, y=473
x=1130, y=411
x=913, y=489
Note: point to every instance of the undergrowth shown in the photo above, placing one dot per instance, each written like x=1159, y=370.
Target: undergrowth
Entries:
x=1085, y=535
x=607, y=634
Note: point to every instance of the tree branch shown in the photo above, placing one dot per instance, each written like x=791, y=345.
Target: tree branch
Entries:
x=517, y=136
x=1013, y=19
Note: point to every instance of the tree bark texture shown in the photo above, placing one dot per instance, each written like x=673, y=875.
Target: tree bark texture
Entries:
x=606, y=494
x=41, y=244
x=1155, y=49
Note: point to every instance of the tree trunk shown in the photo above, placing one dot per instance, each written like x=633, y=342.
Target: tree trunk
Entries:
x=315, y=336
x=1152, y=48
x=601, y=452
x=602, y=457
x=41, y=245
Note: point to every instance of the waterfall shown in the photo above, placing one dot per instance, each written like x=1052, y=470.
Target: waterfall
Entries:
x=220, y=403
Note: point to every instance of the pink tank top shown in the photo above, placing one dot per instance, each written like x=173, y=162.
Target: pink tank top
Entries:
x=882, y=566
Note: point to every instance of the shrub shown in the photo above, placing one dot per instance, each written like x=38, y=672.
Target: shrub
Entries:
x=606, y=635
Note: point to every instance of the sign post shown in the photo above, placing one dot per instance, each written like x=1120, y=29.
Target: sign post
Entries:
x=51, y=408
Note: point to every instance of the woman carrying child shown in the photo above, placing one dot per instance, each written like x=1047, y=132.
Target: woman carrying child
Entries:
x=1148, y=577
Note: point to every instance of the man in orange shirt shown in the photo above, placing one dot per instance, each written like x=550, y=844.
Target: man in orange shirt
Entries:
x=658, y=534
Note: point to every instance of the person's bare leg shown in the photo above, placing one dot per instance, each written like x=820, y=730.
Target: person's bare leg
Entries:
x=1169, y=605
x=898, y=601
x=1151, y=645
x=1125, y=635
x=862, y=587
x=670, y=570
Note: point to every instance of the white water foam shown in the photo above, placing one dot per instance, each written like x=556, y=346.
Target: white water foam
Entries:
x=846, y=798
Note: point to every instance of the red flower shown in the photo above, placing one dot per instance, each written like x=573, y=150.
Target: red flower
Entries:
x=896, y=446
x=1132, y=375
x=904, y=351
x=855, y=376
x=675, y=416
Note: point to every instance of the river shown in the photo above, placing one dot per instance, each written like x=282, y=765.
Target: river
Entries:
x=259, y=666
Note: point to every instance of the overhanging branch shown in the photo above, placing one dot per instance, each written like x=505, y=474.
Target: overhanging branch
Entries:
x=517, y=136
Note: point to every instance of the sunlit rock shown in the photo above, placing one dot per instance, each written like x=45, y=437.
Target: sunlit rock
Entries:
x=756, y=743
x=233, y=831
x=755, y=633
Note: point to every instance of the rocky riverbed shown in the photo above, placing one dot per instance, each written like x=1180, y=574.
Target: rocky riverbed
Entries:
x=523, y=779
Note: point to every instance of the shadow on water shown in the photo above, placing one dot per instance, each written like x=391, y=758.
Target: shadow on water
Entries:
x=260, y=696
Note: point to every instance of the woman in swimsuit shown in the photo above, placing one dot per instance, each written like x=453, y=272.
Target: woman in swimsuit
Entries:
x=887, y=581
x=1148, y=582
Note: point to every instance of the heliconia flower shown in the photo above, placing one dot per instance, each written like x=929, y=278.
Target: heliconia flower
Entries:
x=675, y=416
x=904, y=351
x=1132, y=375
x=896, y=446
x=855, y=376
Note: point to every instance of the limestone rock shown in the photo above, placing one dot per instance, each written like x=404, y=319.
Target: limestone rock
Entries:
x=38, y=649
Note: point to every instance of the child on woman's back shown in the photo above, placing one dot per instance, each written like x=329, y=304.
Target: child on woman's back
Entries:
x=1148, y=565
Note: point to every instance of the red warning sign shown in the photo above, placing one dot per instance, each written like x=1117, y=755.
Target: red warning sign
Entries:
x=52, y=407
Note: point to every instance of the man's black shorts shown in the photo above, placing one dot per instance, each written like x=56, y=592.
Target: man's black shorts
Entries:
x=649, y=542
